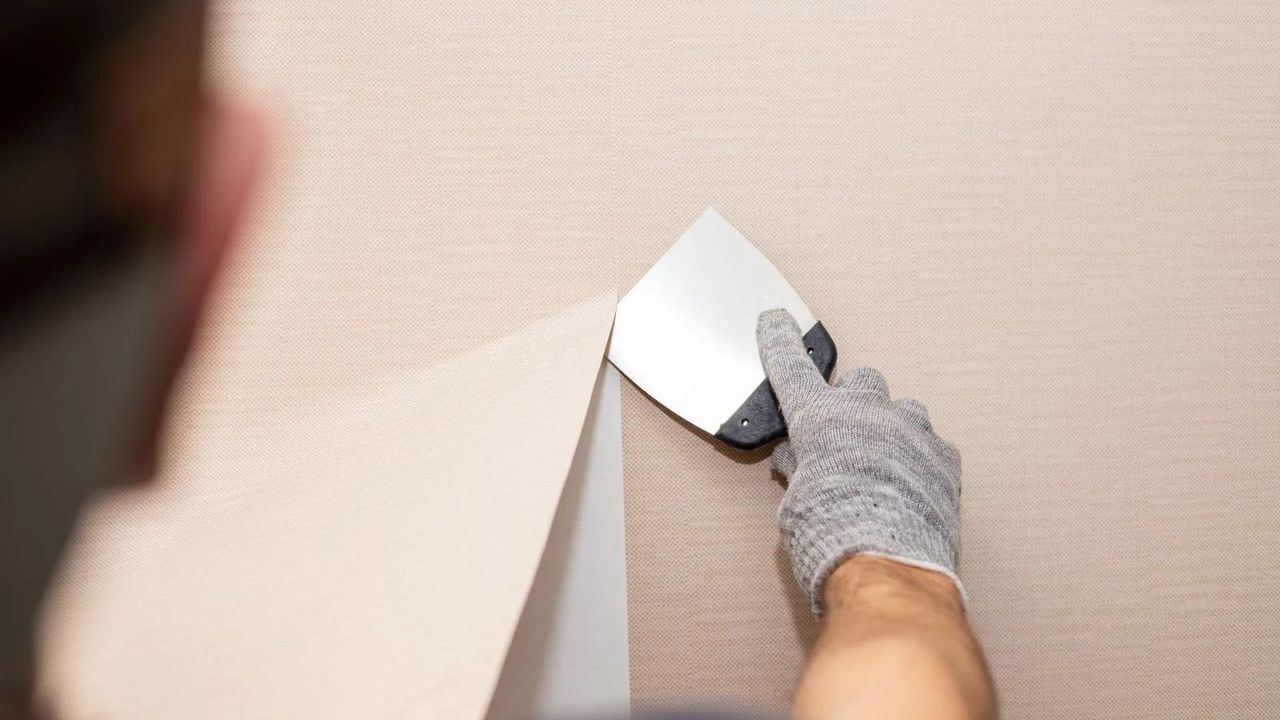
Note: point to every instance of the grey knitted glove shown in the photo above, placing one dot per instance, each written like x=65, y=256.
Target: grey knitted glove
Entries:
x=865, y=474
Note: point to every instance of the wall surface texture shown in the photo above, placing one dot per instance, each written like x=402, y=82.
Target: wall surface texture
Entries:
x=1056, y=223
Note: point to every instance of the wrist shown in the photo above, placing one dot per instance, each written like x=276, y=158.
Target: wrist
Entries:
x=827, y=520
x=871, y=581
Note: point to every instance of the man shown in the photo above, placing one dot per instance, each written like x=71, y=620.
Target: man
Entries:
x=120, y=185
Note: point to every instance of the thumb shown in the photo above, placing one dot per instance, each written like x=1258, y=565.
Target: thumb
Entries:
x=784, y=459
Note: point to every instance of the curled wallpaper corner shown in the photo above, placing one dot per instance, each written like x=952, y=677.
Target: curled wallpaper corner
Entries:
x=366, y=557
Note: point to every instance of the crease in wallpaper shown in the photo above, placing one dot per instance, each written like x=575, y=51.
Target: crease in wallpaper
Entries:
x=365, y=555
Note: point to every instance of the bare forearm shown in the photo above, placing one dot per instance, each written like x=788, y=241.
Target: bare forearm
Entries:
x=894, y=644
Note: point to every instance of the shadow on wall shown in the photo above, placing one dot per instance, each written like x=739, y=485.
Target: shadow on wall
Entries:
x=803, y=623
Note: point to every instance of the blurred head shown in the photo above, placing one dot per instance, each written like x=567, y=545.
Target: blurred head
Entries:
x=121, y=180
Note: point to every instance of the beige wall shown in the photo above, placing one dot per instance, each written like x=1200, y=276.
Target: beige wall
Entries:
x=1054, y=222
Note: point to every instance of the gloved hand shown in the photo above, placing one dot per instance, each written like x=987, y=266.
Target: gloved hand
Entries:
x=865, y=474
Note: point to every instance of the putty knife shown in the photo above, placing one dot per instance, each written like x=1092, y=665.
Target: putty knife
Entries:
x=686, y=333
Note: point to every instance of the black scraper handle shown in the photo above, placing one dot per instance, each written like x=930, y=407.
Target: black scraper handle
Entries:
x=759, y=419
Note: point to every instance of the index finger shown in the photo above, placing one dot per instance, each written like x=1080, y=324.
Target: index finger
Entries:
x=791, y=372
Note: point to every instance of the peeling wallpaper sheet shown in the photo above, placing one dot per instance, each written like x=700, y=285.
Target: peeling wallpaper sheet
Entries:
x=1054, y=222
x=569, y=656
x=362, y=556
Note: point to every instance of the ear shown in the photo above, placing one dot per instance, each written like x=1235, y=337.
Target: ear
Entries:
x=228, y=162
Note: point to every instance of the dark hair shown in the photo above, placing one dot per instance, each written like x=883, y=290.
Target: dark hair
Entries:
x=53, y=223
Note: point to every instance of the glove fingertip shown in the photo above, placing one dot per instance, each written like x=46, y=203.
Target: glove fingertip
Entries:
x=784, y=459
x=776, y=319
x=915, y=410
x=864, y=379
